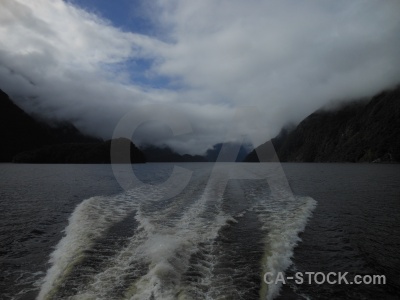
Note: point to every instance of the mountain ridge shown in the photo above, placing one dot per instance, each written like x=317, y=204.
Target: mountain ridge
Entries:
x=166, y=154
x=28, y=140
x=359, y=131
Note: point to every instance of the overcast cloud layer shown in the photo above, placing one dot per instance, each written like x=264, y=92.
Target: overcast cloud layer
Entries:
x=204, y=58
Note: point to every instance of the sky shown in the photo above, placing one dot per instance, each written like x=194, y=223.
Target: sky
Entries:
x=92, y=61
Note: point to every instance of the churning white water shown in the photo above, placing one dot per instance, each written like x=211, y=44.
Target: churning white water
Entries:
x=192, y=246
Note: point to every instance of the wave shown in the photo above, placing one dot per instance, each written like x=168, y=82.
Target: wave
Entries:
x=166, y=250
x=187, y=247
x=89, y=221
x=283, y=227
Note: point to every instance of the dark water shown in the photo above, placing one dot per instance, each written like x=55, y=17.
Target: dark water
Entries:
x=71, y=231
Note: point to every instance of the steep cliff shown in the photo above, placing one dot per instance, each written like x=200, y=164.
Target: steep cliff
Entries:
x=358, y=131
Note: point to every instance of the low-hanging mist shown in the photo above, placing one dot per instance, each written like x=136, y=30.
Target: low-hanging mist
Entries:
x=204, y=59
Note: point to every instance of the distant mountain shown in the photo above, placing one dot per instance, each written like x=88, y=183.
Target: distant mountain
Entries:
x=268, y=149
x=81, y=153
x=229, y=153
x=28, y=140
x=166, y=154
x=360, y=131
x=20, y=132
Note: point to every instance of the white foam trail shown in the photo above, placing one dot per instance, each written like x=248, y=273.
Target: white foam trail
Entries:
x=90, y=219
x=168, y=257
x=164, y=245
x=160, y=250
x=284, y=218
x=113, y=276
x=168, y=251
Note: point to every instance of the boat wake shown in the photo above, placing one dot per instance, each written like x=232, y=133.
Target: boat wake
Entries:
x=215, y=240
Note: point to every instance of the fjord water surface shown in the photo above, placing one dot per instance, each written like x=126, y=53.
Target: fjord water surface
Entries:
x=71, y=232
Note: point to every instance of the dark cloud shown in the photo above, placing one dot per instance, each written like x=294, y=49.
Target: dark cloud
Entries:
x=284, y=57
